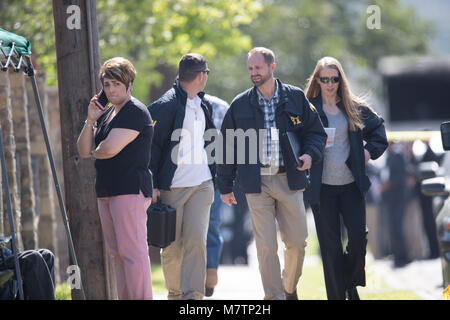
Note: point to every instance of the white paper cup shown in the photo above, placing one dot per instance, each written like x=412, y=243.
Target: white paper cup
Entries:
x=330, y=132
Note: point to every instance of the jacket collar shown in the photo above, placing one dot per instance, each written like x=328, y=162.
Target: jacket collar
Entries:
x=183, y=94
x=281, y=92
x=318, y=104
x=207, y=108
x=276, y=95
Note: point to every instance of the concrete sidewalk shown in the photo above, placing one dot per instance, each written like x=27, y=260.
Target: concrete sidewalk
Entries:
x=243, y=282
x=237, y=282
x=423, y=277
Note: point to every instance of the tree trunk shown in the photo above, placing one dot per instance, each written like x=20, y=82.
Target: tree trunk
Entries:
x=75, y=91
x=6, y=123
x=21, y=134
x=168, y=77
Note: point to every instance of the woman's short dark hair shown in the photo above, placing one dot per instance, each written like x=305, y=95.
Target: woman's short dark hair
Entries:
x=190, y=65
x=118, y=68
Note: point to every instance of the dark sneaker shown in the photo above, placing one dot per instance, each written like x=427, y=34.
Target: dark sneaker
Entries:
x=211, y=281
x=352, y=294
x=209, y=292
x=291, y=296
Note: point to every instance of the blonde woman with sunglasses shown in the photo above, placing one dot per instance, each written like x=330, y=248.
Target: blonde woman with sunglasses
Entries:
x=339, y=182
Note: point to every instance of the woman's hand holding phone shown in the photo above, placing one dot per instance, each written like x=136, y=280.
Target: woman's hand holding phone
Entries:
x=102, y=100
x=94, y=112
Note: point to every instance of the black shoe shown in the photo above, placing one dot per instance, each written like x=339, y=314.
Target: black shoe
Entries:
x=352, y=294
x=433, y=255
x=209, y=292
x=401, y=263
x=291, y=296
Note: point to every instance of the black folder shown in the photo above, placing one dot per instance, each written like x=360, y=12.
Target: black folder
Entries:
x=161, y=224
x=445, y=135
x=294, y=147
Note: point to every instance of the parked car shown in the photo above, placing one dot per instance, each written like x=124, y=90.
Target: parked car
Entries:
x=439, y=187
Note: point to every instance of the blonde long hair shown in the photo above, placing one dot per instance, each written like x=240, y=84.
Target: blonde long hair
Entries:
x=349, y=100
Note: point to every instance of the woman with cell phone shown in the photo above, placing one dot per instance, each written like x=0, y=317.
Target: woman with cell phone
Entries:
x=339, y=182
x=117, y=134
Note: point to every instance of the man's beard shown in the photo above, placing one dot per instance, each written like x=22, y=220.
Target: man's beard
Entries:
x=262, y=79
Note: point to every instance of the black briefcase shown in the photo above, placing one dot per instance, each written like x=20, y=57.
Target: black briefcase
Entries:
x=161, y=224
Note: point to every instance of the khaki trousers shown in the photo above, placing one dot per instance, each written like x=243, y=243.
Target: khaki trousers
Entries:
x=277, y=202
x=184, y=260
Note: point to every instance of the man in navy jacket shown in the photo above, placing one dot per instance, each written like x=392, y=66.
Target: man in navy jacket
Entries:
x=183, y=175
x=272, y=182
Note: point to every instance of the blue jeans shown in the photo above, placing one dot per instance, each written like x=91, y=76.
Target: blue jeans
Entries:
x=214, y=240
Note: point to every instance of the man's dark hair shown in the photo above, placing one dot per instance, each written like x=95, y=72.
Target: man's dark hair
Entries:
x=190, y=65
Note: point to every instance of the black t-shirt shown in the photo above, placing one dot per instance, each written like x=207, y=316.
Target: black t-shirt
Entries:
x=128, y=171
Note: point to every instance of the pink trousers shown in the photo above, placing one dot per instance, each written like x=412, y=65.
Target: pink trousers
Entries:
x=124, y=225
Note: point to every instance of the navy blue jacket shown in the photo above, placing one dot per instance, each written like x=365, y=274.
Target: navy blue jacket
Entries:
x=168, y=115
x=373, y=133
x=293, y=113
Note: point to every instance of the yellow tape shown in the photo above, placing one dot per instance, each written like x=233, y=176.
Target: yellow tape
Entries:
x=446, y=293
x=411, y=135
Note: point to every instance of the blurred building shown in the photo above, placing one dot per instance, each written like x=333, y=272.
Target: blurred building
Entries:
x=416, y=91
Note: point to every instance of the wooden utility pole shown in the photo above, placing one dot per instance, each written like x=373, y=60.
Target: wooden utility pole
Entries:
x=78, y=62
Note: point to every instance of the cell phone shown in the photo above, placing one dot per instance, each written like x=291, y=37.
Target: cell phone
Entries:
x=102, y=100
x=445, y=135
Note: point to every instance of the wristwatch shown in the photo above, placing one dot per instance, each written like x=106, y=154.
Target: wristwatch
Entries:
x=93, y=125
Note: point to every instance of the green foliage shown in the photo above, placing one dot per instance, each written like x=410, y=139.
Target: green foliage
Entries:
x=149, y=33
x=402, y=32
x=159, y=32
x=62, y=292
x=33, y=20
x=302, y=31
x=158, y=282
x=154, y=35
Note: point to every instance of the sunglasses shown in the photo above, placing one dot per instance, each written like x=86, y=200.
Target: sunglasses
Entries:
x=326, y=79
x=206, y=71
